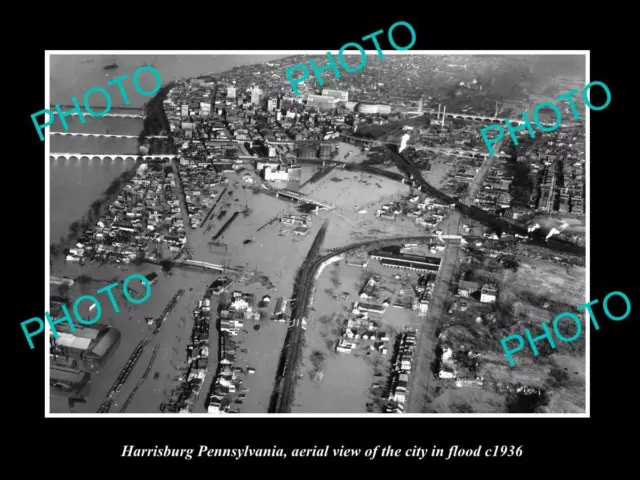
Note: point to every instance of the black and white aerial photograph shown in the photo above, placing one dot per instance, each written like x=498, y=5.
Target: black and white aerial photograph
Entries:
x=249, y=234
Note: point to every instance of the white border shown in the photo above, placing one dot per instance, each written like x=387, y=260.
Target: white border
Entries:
x=47, y=187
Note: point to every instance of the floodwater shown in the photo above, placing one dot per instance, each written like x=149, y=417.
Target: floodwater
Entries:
x=73, y=75
x=130, y=321
x=347, y=377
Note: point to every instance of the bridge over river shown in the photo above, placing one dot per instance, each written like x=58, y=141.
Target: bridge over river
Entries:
x=297, y=196
x=113, y=156
x=131, y=115
x=109, y=135
x=135, y=109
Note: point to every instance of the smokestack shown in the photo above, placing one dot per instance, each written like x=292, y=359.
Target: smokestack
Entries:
x=552, y=232
x=403, y=145
x=438, y=118
x=444, y=112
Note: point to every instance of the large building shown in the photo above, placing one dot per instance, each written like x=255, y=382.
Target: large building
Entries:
x=263, y=163
x=86, y=349
x=283, y=173
x=339, y=94
x=205, y=109
x=272, y=104
x=416, y=263
x=307, y=153
x=322, y=102
x=371, y=287
x=280, y=174
x=255, y=96
x=325, y=152
x=372, y=108
x=231, y=92
x=488, y=294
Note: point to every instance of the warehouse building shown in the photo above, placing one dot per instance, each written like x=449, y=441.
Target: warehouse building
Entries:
x=86, y=349
x=417, y=263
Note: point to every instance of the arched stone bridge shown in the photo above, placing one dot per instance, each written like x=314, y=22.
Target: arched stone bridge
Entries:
x=73, y=114
x=480, y=118
x=112, y=156
x=103, y=135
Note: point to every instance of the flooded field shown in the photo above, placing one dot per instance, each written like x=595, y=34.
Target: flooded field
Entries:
x=270, y=255
x=350, y=153
x=353, y=190
x=441, y=165
x=274, y=255
x=334, y=382
x=270, y=251
x=357, y=198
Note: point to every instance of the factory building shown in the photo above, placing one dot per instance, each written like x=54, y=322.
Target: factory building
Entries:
x=86, y=349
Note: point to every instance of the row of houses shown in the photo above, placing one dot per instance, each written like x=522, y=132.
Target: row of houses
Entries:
x=401, y=369
x=185, y=396
x=225, y=381
x=227, y=386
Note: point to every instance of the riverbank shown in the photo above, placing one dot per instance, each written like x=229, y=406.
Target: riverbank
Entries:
x=97, y=208
x=154, y=123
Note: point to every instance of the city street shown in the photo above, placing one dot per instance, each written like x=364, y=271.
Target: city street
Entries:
x=421, y=374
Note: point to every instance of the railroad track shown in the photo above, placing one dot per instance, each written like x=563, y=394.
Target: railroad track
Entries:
x=135, y=356
x=144, y=377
